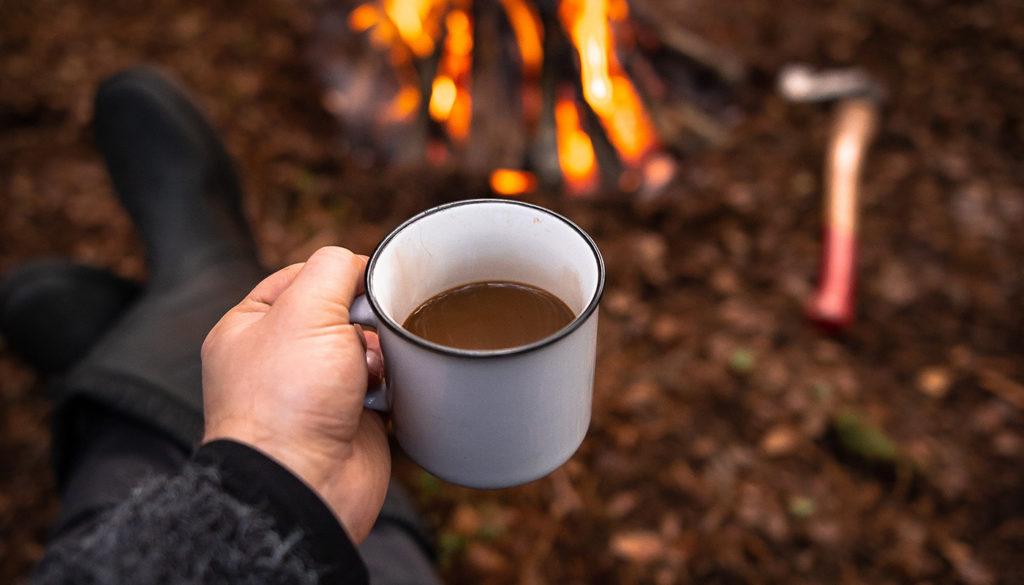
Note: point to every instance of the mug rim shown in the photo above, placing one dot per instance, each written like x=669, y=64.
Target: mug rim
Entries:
x=397, y=328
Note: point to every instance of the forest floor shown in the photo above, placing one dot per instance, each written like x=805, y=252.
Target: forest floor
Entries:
x=715, y=454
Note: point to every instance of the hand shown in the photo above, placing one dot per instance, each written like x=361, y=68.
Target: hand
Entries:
x=285, y=372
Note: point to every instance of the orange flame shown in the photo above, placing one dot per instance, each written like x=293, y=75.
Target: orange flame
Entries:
x=442, y=97
x=404, y=104
x=390, y=27
x=605, y=86
x=512, y=182
x=410, y=30
x=529, y=33
x=450, y=101
x=415, y=23
x=575, y=150
x=363, y=17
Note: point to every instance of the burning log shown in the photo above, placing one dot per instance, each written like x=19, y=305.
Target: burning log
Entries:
x=561, y=93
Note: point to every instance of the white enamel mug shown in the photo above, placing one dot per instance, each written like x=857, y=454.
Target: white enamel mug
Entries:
x=485, y=418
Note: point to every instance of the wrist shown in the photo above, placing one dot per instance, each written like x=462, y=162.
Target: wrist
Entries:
x=350, y=482
x=293, y=454
x=260, y=481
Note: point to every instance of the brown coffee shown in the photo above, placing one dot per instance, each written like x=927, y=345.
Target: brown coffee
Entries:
x=489, y=315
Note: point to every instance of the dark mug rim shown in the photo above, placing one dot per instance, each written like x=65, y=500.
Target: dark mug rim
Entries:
x=577, y=322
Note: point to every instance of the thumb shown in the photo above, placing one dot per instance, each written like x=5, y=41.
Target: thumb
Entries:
x=324, y=287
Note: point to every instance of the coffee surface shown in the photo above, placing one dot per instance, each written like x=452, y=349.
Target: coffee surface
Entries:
x=489, y=315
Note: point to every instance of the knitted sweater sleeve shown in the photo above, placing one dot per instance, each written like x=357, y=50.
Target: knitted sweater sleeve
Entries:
x=232, y=516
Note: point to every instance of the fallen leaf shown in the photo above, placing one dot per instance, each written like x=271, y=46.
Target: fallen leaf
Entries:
x=934, y=381
x=449, y=545
x=1007, y=444
x=1002, y=387
x=566, y=499
x=779, y=441
x=666, y=329
x=970, y=569
x=801, y=507
x=863, y=439
x=465, y=520
x=485, y=558
x=742, y=361
x=642, y=393
x=622, y=504
x=638, y=547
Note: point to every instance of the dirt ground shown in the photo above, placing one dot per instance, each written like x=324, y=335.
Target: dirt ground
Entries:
x=731, y=442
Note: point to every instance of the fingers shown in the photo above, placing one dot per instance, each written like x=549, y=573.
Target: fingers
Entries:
x=270, y=288
x=374, y=359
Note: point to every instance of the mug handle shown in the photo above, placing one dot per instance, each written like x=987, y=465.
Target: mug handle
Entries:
x=360, y=313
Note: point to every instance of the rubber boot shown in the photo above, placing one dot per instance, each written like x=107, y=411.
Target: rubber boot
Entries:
x=175, y=179
x=53, y=311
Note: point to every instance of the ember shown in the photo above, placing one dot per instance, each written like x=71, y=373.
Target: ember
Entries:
x=579, y=120
x=512, y=182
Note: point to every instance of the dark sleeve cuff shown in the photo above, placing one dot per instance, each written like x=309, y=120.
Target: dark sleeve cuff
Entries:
x=259, y=481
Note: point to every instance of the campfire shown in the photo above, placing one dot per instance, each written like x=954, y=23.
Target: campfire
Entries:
x=580, y=95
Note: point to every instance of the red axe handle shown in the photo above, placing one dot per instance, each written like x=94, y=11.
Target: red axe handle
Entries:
x=832, y=304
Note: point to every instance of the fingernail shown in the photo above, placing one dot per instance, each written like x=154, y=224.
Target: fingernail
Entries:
x=374, y=367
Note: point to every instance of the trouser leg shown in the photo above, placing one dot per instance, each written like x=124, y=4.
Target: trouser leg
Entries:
x=393, y=558
x=398, y=550
x=112, y=455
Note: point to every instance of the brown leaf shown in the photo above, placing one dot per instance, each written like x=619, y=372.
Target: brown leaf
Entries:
x=966, y=565
x=465, y=520
x=934, y=381
x=650, y=250
x=622, y=504
x=780, y=440
x=485, y=558
x=638, y=547
x=666, y=328
x=566, y=499
x=642, y=393
x=1002, y=387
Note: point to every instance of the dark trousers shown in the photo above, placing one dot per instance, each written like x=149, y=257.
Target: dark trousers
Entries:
x=115, y=453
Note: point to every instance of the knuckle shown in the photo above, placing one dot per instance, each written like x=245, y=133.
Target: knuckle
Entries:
x=333, y=254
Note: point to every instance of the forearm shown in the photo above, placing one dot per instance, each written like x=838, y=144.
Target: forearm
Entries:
x=232, y=515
